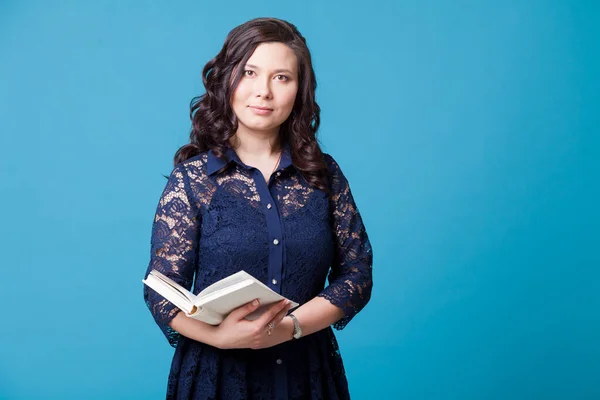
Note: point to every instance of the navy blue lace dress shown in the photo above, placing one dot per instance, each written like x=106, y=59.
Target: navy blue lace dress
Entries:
x=216, y=217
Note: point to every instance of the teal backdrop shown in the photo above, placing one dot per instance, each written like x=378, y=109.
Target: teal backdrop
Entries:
x=467, y=129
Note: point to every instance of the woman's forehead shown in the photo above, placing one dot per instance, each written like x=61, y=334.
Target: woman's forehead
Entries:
x=272, y=57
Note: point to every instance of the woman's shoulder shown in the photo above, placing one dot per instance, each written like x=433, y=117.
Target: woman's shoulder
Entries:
x=196, y=164
x=193, y=169
x=336, y=178
x=332, y=164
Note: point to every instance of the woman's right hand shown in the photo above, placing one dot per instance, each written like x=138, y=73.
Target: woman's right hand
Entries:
x=236, y=332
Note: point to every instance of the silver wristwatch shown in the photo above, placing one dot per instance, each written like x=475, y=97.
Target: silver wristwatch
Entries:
x=297, y=331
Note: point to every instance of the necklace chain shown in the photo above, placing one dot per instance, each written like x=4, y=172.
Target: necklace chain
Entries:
x=277, y=163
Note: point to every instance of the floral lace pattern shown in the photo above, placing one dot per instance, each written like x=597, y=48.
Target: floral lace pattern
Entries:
x=216, y=217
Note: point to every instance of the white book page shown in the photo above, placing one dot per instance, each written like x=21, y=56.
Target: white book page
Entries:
x=170, y=290
x=228, y=299
x=216, y=301
x=174, y=285
x=223, y=283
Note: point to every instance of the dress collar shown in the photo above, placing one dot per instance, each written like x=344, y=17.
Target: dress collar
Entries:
x=215, y=163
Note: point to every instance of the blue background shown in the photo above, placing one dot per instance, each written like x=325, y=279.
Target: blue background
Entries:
x=468, y=131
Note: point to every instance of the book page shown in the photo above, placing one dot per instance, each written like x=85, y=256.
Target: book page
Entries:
x=227, y=299
x=170, y=290
x=225, y=282
x=190, y=297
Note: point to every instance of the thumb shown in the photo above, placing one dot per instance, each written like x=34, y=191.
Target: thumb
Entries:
x=241, y=312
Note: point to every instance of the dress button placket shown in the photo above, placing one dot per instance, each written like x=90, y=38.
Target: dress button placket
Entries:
x=267, y=197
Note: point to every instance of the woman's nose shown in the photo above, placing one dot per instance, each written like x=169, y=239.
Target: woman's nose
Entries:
x=263, y=88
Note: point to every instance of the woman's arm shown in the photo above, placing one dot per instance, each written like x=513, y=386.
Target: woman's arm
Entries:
x=235, y=332
x=173, y=246
x=194, y=329
x=313, y=316
x=350, y=279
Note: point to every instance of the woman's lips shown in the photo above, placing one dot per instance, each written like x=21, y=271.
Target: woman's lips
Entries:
x=261, y=110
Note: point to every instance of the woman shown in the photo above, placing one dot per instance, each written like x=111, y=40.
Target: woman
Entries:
x=252, y=190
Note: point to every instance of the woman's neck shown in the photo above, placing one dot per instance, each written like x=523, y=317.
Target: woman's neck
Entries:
x=258, y=150
x=256, y=145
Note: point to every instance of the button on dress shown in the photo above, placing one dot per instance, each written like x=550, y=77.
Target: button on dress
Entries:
x=217, y=216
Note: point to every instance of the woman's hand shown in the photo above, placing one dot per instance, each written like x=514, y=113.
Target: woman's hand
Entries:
x=235, y=332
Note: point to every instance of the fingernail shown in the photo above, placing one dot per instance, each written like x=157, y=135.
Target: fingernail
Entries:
x=255, y=302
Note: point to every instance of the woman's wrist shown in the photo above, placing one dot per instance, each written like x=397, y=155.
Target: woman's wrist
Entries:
x=287, y=328
x=213, y=336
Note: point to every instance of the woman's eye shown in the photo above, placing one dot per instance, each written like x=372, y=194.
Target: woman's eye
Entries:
x=282, y=78
x=248, y=72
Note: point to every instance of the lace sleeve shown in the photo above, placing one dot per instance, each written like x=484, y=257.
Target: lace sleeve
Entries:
x=350, y=278
x=173, y=246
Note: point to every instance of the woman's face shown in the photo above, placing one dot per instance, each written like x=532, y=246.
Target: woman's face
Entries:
x=265, y=95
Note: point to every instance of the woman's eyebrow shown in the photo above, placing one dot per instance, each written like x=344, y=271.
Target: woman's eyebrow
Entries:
x=276, y=71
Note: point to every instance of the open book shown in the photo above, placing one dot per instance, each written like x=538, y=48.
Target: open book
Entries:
x=216, y=301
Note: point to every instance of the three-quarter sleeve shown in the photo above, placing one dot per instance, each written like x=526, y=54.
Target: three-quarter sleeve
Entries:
x=173, y=246
x=350, y=277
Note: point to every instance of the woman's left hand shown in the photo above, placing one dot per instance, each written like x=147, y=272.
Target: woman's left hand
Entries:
x=282, y=332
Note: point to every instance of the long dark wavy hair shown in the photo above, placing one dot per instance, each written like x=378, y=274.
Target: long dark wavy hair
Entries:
x=213, y=119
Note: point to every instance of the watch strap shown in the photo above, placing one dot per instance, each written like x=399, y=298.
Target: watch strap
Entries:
x=297, y=331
